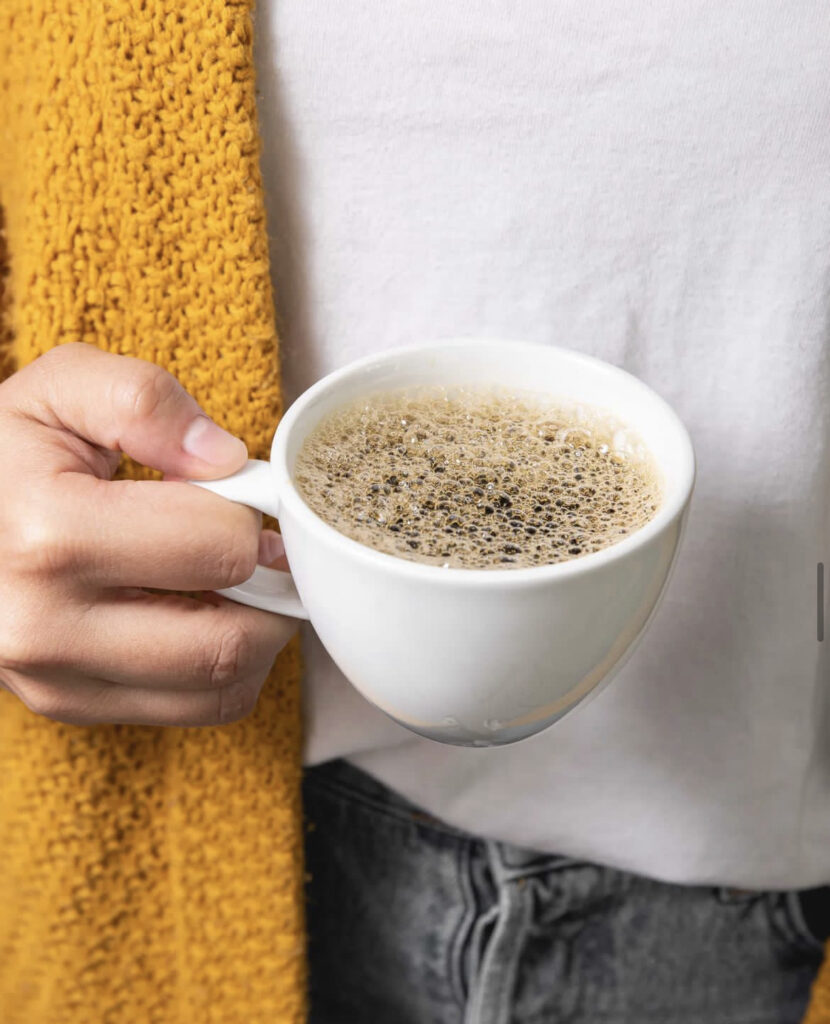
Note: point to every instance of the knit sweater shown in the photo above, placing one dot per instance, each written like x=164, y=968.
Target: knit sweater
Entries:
x=148, y=874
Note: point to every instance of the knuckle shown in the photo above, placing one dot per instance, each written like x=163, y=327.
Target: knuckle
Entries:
x=236, y=702
x=41, y=543
x=237, y=559
x=47, y=369
x=230, y=657
x=19, y=647
x=43, y=372
x=16, y=651
x=46, y=701
x=149, y=390
x=60, y=353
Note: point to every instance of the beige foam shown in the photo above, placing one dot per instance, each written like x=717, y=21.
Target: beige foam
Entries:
x=476, y=479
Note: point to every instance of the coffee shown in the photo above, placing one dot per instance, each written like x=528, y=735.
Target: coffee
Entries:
x=476, y=479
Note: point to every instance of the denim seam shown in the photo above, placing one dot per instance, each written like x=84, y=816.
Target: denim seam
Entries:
x=455, y=965
x=490, y=998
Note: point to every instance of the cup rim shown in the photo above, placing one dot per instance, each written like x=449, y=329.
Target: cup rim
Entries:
x=536, y=574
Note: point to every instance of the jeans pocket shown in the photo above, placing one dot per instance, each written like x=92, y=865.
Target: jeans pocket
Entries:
x=786, y=913
x=810, y=910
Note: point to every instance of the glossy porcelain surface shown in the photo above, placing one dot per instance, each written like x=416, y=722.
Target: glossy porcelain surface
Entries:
x=472, y=657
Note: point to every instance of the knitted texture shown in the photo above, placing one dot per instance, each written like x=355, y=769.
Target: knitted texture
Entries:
x=819, y=1010
x=149, y=875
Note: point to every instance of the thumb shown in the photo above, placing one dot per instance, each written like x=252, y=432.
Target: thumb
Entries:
x=128, y=405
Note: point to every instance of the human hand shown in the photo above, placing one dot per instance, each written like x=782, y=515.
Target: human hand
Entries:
x=80, y=641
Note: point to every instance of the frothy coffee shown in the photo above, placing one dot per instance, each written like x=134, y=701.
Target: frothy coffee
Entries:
x=476, y=479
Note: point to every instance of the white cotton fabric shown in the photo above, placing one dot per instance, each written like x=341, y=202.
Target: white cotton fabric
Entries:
x=648, y=183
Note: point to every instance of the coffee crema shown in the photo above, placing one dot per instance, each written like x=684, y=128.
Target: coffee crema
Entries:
x=476, y=479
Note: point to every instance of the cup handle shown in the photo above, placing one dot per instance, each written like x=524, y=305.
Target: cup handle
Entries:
x=269, y=589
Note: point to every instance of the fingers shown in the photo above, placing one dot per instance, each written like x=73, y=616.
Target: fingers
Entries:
x=147, y=534
x=272, y=551
x=144, y=533
x=125, y=404
x=79, y=641
x=83, y=701
x=200, y=664
x=165, y=642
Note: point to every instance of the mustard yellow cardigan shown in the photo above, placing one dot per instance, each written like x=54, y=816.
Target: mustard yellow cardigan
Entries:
x=148, y=875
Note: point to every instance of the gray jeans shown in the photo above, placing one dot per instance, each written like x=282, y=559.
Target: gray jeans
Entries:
x=413, y=922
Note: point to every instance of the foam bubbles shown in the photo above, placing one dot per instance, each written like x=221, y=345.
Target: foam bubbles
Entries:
x=472, y=479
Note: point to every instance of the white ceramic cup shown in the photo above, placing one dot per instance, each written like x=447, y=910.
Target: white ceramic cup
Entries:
x=474, y=657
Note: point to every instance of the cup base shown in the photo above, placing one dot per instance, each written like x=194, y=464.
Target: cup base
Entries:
x=490, y=734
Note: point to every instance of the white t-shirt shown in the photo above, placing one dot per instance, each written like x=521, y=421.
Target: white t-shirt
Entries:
x=648, y=183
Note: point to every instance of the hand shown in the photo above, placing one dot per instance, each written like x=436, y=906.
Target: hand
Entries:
x=80, y=641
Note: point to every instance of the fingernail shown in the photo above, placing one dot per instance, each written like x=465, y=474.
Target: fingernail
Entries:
x=210, y=443
x=271, y=547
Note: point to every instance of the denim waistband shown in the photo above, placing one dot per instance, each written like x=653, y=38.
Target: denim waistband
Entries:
x=412, y=919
